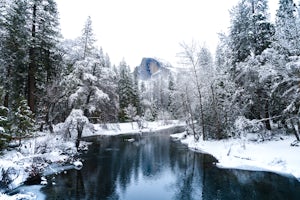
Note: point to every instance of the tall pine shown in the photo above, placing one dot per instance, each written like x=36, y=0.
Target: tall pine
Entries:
x=250, y=30
x=125, y=90
x=287, y=38
x=44, y=34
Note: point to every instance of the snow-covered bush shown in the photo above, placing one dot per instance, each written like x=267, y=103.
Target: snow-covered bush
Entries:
x=131, y=112
x=74, y=125
x=23, y=121
x=75, y=122
x=244, y=126
x=148, y=115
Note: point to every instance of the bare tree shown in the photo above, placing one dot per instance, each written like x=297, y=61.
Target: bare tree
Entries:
x=189, y=58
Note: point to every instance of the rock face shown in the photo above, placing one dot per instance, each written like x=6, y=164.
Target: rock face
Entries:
x=150, y=67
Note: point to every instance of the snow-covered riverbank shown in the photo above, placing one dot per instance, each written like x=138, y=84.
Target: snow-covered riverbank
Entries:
x=275, y=156
x=46, y=149
x=130, y=128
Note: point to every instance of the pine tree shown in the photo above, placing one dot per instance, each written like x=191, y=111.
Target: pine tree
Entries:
x=15, y=51
x=171, y=96
x=251, y=31
x=287, y=29
x=136, y=95
x=4, y=123
x=262, y=29
x=87, y=38
x=90, y=82
x=44, y=34
x=125, y=90
x=23, y=121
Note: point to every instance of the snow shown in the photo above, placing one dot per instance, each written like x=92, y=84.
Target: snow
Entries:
x=20, y=162
x=78, y=164
x=53, y=149
x=111, y=129
x=100, y=95
x=28, y=196
x=276, y=156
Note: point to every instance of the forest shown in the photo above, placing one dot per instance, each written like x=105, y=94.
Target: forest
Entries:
x=251, y=83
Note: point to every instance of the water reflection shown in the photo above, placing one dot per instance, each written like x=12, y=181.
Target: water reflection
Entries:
x=153, y=167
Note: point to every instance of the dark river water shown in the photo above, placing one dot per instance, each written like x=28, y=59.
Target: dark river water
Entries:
x=154, y=167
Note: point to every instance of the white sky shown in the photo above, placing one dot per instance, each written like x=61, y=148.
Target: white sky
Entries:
x=133, y=29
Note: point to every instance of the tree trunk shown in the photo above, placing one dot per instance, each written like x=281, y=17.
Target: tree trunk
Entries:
x=295, y=128
x=80, y=126
x=32, y=64
x=49, y=118
x=88, y=98
x=216, y=113
x=267, y=122
x=6, y=97
x=200, y=102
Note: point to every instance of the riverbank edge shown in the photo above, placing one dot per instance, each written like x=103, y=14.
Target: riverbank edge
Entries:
x=170, y=129
x=69, y=160
x=232, y=154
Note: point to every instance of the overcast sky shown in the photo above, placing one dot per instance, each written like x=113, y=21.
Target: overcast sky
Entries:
x=133, y=29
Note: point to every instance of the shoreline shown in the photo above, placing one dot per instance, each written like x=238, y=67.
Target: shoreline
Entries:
x=53, y=149
x=276, y=156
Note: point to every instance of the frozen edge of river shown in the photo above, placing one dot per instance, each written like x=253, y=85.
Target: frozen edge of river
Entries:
x=273, y=156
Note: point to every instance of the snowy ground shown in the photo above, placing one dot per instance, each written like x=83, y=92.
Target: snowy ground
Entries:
x=276, y=156
x=52, y=148
x=38, y=154
x=129, y=128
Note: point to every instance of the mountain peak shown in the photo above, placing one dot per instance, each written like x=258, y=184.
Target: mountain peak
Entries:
x=149, y=67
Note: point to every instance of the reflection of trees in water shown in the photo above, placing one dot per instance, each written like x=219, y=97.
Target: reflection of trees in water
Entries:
x=197, y=178
x=154, y=155
x=69, y=186
x=111, y=163
x=114, y=163
x=188, y=172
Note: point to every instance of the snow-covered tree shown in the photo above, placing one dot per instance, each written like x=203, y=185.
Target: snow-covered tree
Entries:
x=87, y=39
x=285, y=97
x=199, y=61
x=88, y=81
x=250, y=31
x=287, y=29
x=23, y=121
x=44, y=35
x=4, y=124
x=84, y=83
x=14, y=54
x=74, y=125
x=125, y=90
x=171, y=103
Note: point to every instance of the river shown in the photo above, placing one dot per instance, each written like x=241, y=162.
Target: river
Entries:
x=154, y=167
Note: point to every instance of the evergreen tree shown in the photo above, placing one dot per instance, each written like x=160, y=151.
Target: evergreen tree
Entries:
x=15, y=55
x=87, y=38
x=136, y=95
x=3, y=4
x=171, y=96
x=250, y=30
x=287, y=38
x=89, y=82
x=44, y=34
x=23, y=121
x=125, y=90
x=4, y=123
